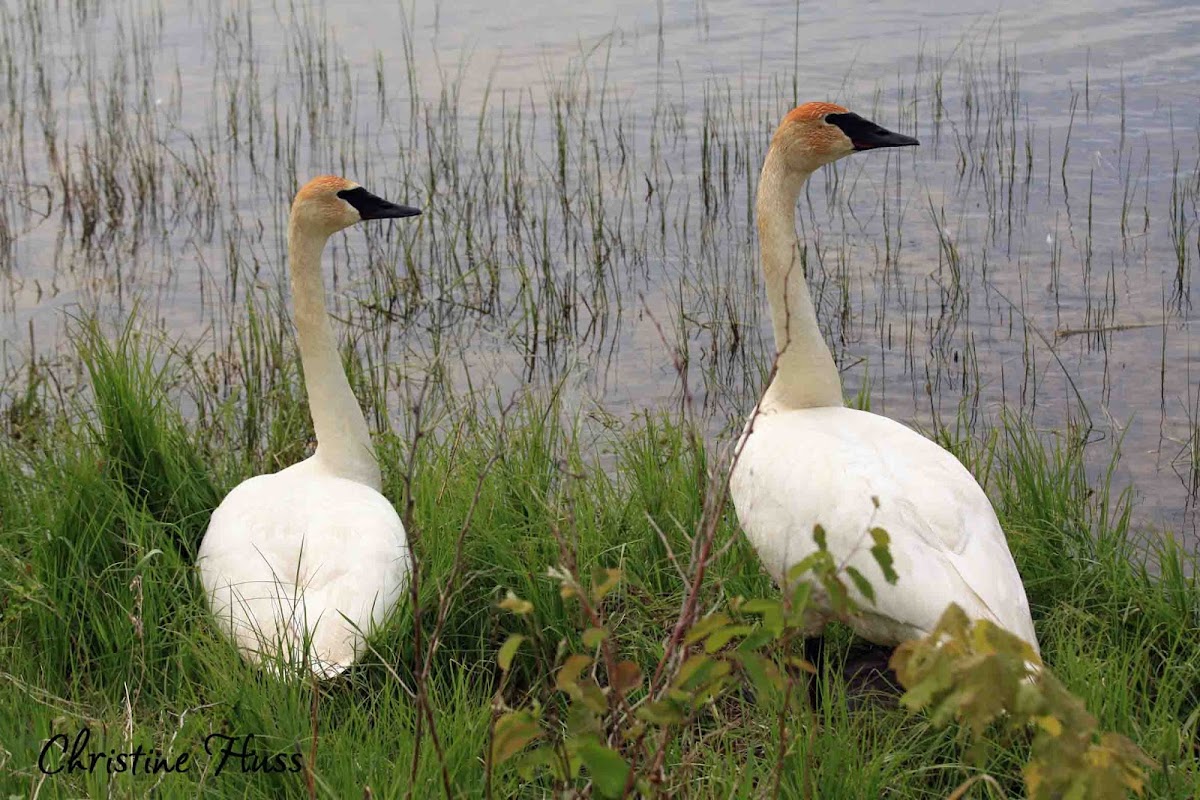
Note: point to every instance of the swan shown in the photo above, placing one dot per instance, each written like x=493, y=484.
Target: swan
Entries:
x=297, y=565
x=805, y=459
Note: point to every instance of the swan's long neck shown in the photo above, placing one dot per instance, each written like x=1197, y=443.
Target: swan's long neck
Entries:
x=343, y=442
x=806, y=376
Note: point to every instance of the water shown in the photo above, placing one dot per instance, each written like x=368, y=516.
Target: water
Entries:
x=1036, y=253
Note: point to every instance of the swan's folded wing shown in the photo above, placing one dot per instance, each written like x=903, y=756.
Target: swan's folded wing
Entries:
x=850, y=471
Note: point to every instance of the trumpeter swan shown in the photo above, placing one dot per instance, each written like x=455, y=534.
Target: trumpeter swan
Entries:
x=805, y=459
x=301, y=563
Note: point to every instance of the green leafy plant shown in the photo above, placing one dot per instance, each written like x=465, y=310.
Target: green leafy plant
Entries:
x=981, y=675
x=607, y=724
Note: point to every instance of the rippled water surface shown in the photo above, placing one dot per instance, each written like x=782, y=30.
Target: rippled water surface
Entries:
x=588, y=173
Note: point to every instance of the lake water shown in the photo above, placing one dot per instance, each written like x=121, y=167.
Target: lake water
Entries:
x=596, y=164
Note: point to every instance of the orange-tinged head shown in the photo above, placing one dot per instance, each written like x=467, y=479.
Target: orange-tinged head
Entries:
x=814, y=134
x=327, y=203
x=813, y=111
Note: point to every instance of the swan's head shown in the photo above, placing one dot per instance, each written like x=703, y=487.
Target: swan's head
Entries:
x=816, y=134
x=327, y=204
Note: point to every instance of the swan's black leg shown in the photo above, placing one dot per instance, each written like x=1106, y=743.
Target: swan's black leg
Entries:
x=814, y=653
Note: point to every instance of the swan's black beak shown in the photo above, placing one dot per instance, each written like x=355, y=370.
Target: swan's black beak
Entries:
x=866, y=135
x=371, y=206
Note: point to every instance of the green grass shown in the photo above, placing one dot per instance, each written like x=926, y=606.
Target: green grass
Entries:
x=104, y=497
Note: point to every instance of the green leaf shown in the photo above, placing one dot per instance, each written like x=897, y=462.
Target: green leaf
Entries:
x=809, y=564
x=633, y=731
x=801, y=594
x=594, y=636
x=508, y=650
x=862, y=584
x=699, y=675
x=696, y=664
x=839, y=598
x=513, y=731
x=1050, y=724
x=758, y=639
x=719, y=682
x=568, y=675
x=542, y=757
x=608, y=770
x=660, y=712
x=771, y=612
x=819, y=537
x=763, y=675
x=592, y=696
x=721, y=637
x=705, y=626
x=1029, y=699
x=603, y=582
x=760, y=606
x=581, y=723
x=883, y=554
x=515, y=604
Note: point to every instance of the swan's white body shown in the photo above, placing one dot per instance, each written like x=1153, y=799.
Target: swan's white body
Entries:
x=827, y=466
x=806, y=460
x=300, y=565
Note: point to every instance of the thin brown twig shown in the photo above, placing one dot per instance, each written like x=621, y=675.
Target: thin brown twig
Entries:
x=414, y=581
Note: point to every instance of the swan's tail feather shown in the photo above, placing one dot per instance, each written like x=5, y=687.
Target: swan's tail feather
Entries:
x=298, y=637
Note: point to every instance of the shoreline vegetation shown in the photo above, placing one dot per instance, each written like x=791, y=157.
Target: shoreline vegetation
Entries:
x=1038, y=254
x=103, y=625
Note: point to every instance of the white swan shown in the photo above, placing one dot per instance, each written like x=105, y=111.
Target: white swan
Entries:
x=298, y=565
x=806, y=459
